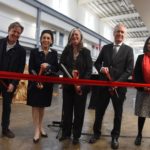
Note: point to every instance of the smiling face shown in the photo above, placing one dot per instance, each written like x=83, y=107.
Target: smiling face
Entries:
x=14, y=34
x=75, y=38
x=119, y=34
x=46, y=41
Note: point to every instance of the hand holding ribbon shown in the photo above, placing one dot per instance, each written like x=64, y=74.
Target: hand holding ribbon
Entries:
x=39, y=84
x=75, y=74
x=112, y=90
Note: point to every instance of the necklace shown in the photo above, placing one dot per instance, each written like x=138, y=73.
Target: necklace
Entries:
x=75, y=53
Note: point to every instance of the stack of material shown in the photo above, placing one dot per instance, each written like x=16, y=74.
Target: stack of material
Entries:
x=20, y=96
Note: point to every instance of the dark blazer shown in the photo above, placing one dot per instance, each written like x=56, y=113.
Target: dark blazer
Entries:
x=83, y=62
x=138, y=73
x=34, y=95
x=37, y=58
x=120, y=67
x=17, y=59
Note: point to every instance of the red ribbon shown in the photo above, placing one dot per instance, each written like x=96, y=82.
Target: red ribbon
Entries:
x=13, y=75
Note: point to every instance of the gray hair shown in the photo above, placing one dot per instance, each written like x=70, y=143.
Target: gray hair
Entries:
x=120, y=25
x=71, y=33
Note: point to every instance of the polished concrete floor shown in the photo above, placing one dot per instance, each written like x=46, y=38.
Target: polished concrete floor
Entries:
x=21, y=124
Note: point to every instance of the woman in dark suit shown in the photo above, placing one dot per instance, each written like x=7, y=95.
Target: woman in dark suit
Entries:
x=43, y=61
x=142, y=75
x=77, y=60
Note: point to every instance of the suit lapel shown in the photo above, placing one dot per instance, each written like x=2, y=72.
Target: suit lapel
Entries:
x=120, y=51
x=111, y=52
x=2, y=48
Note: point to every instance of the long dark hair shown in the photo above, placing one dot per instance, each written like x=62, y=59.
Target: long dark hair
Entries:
x=145, y=49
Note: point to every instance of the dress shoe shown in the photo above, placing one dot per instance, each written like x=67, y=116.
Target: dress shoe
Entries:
x=75, y=141
x=114, y=143
x=62, y=138
x=44, y=135
x=94, y=138
x=8, y=133
x=36, y=140
x=138, y=140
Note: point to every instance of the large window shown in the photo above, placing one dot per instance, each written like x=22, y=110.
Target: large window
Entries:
x=54, y=35
x=61, y=39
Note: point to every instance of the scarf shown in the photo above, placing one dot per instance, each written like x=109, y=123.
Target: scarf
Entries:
x=146, y=68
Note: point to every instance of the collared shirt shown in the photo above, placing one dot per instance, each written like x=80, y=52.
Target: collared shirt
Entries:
x=41, y=50
x=9, y=46
x=117, y=46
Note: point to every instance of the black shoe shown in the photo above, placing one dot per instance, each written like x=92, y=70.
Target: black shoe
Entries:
x=35, y=140
x=8, y=133
x=94, y=138
x=62, y=138
x=75, y=141
x=138, y=140
x=114, y=143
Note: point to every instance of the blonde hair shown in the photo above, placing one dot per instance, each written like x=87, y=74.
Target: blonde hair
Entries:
x=70, y=36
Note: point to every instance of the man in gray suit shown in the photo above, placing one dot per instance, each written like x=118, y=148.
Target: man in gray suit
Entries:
x=115, y=59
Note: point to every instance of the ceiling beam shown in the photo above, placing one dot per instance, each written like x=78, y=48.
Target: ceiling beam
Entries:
x=142, y=6
x=140, y=46
x=125, y=16
x=136, y=29
x=135, y=44
x=82, y=2
x=140, y=39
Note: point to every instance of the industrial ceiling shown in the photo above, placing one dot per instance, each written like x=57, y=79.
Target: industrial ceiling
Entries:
x=129, y=12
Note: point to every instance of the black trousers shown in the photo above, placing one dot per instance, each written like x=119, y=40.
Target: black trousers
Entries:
x=93, y=99
x=73, y=112
x=6, y=109
x=102, y=103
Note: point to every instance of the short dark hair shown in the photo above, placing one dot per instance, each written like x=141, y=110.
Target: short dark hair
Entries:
x=50, y=33
x=15, y=24
x=145, y=49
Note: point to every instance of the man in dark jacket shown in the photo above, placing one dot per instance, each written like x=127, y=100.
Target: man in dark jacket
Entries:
x=12, y=59
x=116, y=60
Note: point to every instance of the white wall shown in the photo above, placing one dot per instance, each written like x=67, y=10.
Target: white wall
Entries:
x=62, y=6
x=80, y=14
x=9, y=15
x=17, y=10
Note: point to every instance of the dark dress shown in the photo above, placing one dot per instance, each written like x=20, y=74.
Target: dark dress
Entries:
x=142, y=102
x=41, y=97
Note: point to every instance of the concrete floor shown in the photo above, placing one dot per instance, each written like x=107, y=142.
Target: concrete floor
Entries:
x=21, y=124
